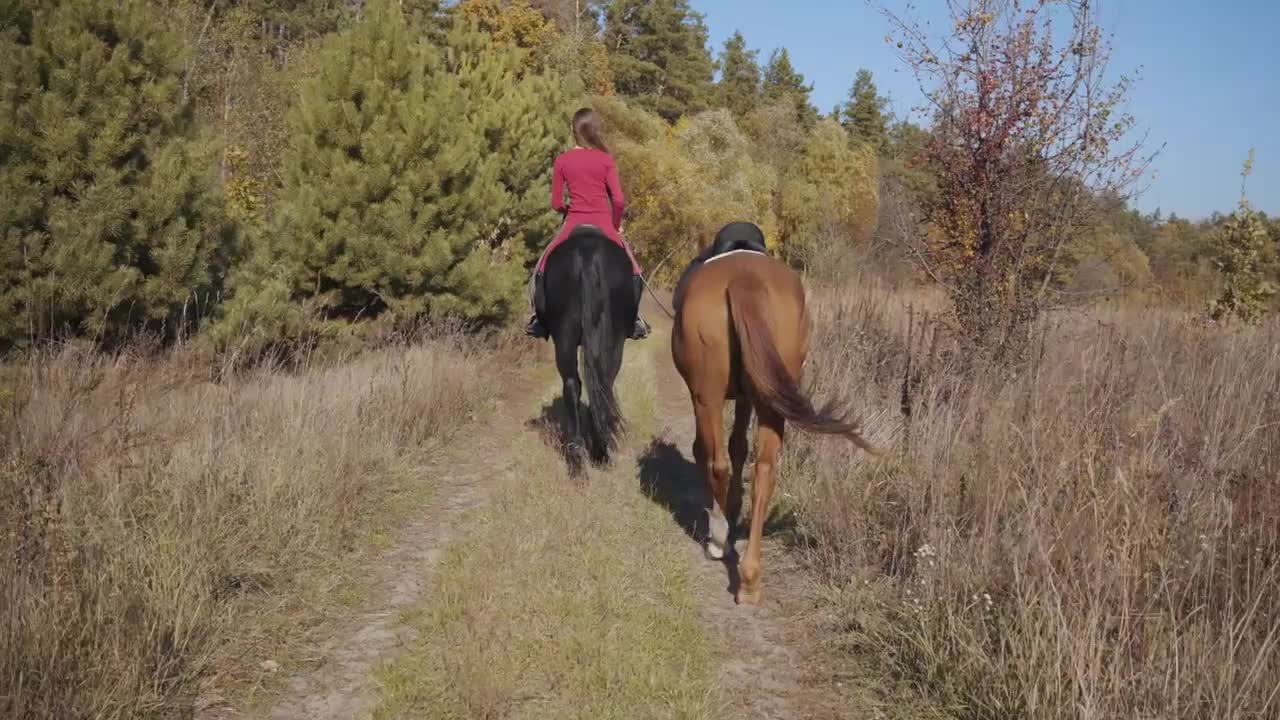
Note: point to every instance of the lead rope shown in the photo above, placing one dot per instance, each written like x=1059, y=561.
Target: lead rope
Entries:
x=645, y=280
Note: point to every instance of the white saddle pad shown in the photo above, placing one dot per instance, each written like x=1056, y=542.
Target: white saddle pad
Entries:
x=731, y=252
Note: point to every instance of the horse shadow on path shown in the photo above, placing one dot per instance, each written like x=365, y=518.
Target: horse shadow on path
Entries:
x=673, y=481
x=551, y=424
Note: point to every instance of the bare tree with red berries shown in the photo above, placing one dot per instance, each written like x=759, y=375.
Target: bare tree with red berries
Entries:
x=1027, y=134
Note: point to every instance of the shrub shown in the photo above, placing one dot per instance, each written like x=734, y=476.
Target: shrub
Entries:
x=418, y=179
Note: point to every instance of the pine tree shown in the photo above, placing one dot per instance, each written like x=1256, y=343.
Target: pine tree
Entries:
x=781, y=78
x=418, y=178
x=783, y=81
x=109, y=217
x=739, y=86
x=906, y=159
x=658, y=52
x=864, y=114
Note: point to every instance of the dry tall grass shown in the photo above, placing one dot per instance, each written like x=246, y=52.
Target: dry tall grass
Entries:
x=159, y=527
x=1095, y=537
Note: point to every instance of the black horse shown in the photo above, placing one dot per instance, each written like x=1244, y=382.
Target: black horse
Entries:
x=587, y=298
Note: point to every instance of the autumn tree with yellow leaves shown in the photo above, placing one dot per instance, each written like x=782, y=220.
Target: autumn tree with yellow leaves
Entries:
x=829, y=197
x=684, y=182
x=573, y=53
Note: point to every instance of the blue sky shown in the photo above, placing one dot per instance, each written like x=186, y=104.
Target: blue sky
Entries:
x=1208, y=80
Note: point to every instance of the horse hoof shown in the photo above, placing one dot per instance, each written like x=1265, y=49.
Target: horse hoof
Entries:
x=574, y=459
x=749, y=597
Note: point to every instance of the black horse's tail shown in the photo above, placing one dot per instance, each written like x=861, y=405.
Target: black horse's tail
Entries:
x=602, y=339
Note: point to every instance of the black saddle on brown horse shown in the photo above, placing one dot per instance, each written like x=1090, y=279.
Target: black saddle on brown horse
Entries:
x=735, y=236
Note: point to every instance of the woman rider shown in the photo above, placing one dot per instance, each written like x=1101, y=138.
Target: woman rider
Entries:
x=595, y=198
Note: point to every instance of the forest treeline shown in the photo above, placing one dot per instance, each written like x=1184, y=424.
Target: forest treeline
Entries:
x=268, y=171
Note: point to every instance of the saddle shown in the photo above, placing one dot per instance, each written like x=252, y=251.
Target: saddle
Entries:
x=734, y=237
x=583, y=226
x=539, y=279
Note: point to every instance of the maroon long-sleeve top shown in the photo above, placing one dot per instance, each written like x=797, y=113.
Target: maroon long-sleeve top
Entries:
x=595, y=196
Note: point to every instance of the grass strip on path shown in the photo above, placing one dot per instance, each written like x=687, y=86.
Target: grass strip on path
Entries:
x=563, y=599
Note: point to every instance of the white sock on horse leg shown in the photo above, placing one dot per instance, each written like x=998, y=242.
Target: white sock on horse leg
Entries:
x=718, y=528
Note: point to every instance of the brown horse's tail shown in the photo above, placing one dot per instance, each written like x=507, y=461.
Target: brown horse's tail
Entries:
x=769, y=381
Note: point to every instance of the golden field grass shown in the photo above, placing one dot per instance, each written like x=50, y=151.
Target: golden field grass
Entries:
x=1093, y=536
x=158, y=528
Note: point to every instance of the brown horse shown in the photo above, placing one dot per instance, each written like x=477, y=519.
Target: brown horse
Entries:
x=741, y=332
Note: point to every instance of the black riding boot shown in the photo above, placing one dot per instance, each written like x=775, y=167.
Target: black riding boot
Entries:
x=640, y=330
x=535, y=327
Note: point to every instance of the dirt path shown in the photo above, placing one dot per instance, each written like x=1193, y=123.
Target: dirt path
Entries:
x=566, y=598
x=594, y=605
x=338, y=682
x=772, y=664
